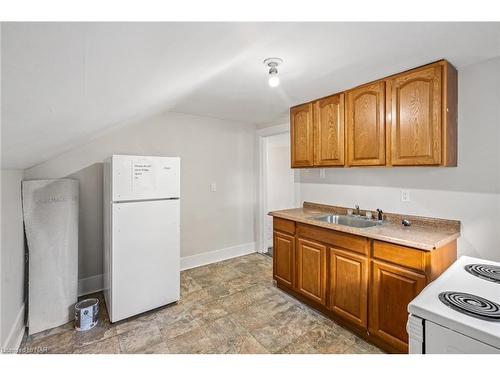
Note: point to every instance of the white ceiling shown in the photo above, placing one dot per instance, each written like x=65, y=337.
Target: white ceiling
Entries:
x=65, y=83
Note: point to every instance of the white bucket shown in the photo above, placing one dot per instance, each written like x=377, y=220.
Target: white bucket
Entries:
x=86, y=313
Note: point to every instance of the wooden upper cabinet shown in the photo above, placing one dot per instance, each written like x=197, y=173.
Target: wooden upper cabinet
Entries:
x=392, y=289
x=348, y=286
x=329, y=131
x=415, y=102
x=450, y=117
x=301, y=134
x=311, y=270
x=365, y=118
x=407, y=119
x=284, y=258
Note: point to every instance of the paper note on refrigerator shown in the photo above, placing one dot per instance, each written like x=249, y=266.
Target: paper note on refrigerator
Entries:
x=143, y=177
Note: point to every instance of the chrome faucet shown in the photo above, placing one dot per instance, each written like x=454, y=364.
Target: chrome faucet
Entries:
x=380, y=214
x=356, y=211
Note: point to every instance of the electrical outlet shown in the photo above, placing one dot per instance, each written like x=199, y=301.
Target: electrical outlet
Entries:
x=405, y=195
x=213, y=186
x=322, y=173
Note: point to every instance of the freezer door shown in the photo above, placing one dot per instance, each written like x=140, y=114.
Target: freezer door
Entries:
x=145, y=256
x=145, y=177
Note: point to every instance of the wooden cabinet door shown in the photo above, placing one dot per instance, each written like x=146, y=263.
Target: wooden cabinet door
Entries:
x=329, y=131
x=301, y=134
x=392, y=289
x=348, y=286
x=365, y=121
x=311, y=270
x=283, y=258
x=414, y=99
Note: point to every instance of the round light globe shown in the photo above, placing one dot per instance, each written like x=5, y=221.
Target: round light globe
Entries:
x=274, y=80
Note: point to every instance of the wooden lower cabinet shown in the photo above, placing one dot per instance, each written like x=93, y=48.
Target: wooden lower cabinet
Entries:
x=284, y=258
x=348, y=286
x=311, y=270
x=392, y=289
x=364, y=285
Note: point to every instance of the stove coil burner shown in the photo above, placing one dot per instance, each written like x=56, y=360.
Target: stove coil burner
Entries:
x=471, y=305
x=484, y=271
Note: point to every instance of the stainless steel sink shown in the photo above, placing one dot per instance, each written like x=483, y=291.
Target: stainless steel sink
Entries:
x=350, y=221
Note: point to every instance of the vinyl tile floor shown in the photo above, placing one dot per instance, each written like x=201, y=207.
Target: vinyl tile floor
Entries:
x=226, y=307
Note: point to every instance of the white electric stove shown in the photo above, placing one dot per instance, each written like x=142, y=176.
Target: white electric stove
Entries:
x=459, y=312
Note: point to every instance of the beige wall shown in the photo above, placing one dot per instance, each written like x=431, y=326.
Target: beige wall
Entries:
x=12, y=259
x=470, y=192
x=211, y=150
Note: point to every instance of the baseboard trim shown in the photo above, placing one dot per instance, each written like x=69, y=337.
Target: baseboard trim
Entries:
x=16, y=333
x=217, y=255
x=95, y=283
x=90, y=284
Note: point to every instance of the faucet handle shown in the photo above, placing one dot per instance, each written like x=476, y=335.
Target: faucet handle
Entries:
x=406, y=222
x=380, y=212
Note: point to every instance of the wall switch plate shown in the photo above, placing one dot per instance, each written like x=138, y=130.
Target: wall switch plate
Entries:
x=213, y=186
x=322, y=173
x=405, y=195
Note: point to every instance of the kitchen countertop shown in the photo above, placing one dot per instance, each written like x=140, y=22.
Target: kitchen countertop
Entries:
x=424, y=233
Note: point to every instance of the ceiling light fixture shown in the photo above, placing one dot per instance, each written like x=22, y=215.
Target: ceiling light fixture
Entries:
x=272, y=63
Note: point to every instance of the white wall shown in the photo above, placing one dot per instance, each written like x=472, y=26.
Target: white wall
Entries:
x=469, y=192
x=12, y=264
x=211, y=150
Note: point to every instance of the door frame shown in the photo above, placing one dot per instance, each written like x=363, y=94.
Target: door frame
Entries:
x=262, y=135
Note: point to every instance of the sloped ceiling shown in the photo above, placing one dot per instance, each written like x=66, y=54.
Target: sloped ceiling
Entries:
x=65, y=83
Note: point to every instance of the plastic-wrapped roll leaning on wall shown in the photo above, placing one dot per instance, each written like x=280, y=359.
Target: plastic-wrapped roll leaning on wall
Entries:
x=50, y=210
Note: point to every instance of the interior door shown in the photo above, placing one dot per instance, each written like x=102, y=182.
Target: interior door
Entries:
x=145, y=256
x=279, y=185
x=365, y=119
x=311, y=273
x=329, y=131
x=301, y=134
x=415, y=102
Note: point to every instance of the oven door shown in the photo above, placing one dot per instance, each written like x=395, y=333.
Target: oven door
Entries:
x=441, y=340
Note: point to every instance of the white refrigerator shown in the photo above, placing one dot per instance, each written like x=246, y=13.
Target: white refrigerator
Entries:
x=141, y=233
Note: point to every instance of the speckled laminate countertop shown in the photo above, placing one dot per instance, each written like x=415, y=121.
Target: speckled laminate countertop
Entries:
x=424, y=233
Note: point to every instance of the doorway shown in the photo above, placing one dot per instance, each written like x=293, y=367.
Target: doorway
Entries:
x=278, y=189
